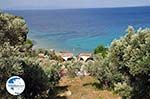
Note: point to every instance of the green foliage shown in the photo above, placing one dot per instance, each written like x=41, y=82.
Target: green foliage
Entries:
x=51, y=54
x=127, y=63
x=105, y=73
x=17, y=58
x=53, y=75
x=124, y=67
x=37, y=78
x=131, y=55
x=72, y=67
x=93, y=67
x=28, y=41
x=13, y=29
x=8, y=68
x=123, y=89
x=28, y=44
x=101, y=49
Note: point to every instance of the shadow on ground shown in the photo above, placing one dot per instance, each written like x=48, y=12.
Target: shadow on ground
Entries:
x=95, y=85
x=57, y=92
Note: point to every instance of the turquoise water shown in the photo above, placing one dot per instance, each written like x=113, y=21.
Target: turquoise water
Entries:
x=79, y=30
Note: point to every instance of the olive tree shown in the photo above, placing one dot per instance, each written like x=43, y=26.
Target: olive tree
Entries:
x=126, y=67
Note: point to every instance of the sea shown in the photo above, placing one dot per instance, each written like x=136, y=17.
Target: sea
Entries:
x=81, y=30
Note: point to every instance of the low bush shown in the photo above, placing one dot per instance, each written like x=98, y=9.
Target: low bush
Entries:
x=101, y=49
x=38, y=80
x=126, y=67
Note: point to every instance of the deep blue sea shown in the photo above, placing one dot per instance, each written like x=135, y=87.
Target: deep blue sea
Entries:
x=81, y=30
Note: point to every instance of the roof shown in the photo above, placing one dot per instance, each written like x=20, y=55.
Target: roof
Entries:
x=85, y=54
x=66, y=54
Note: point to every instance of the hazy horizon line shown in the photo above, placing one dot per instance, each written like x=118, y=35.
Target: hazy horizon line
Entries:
x=74, y=8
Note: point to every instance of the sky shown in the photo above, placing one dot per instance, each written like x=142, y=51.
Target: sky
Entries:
x=68, y=4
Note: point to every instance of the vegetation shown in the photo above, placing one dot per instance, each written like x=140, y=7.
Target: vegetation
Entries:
x=38, y=78
x=101, y=49
x=126, y=67
x=13, y=29
x=17, y=58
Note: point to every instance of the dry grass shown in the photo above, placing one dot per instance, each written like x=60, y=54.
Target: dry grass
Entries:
x=82, y=88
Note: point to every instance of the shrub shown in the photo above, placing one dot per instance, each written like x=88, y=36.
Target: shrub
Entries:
x=51, y=54
x=17, y=58
x=37, y=79
x=73, y=67
x=128, y=60
x=28, y=44
x=13, y=29
x=123, y=89
x=101, y=49
x=131, y=55
x=8, y=68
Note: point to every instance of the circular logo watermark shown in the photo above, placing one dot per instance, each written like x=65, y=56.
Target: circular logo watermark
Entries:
x=15, y=85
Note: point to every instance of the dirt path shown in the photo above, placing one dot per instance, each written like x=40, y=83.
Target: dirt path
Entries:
x=82, y=88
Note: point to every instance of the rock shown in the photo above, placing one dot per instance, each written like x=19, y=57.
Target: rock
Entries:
x=13, y=29
x=68, y=93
